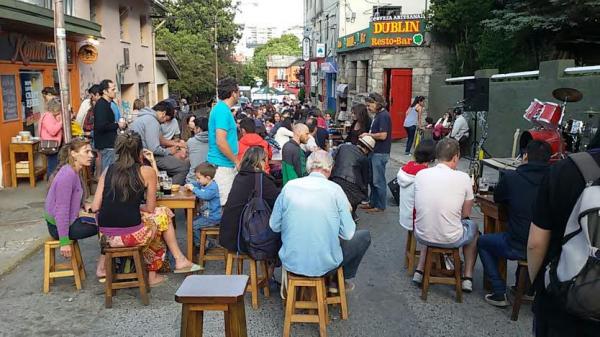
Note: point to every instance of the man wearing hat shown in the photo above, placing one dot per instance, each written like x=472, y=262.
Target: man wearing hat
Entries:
x=381, y=132
x=352, y=170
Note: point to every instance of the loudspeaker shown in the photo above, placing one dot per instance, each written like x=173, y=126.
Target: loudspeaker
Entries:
x=476, y=93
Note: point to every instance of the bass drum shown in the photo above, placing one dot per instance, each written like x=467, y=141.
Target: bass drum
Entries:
x=552, y=137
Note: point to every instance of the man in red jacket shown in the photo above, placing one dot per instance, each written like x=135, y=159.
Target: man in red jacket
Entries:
x=250, y=138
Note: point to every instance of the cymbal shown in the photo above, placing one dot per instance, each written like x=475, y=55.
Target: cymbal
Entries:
x=567, y=95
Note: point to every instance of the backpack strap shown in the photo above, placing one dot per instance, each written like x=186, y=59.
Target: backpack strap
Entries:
x=258, y=184
x=587, y=166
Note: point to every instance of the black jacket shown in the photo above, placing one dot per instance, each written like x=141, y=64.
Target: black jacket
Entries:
x=105, y=126
x=352, y=165
x=518, y=189
x=241, y=191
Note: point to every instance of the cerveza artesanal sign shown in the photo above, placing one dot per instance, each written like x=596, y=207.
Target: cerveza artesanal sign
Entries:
x=386, y=31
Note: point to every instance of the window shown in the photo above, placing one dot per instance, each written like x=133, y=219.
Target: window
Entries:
x=93, y=11
x=387, y=10
x=144, y=30
x=123, y=14
x=68, y=4
x=364, y=85
x=143, y=93
x=281, y=74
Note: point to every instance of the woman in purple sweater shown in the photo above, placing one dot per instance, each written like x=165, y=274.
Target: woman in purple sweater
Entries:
x=65, y=198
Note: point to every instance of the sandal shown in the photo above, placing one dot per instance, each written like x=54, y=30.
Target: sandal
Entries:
x=191, y=269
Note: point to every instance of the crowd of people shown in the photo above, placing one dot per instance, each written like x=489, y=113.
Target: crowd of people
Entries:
x=283, y=156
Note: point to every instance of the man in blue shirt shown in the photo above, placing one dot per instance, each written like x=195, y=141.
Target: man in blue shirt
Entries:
x=381, y=131
x=222, y=136
x=317, y=231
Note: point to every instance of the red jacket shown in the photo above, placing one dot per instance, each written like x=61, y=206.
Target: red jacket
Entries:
x=252, y=139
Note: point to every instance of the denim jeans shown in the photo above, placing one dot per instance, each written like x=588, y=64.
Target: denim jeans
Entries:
x=354, y=250
x=108, y=157
x=77, y=230
x=410, y=131
x=379, y=184
x=492, y=247
x=199, y=223
x=52, y=163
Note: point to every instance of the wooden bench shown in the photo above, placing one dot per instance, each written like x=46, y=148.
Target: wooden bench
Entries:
x=213, y=254
x=256, y=281
x=199, y=293
x=114, y=281
x=53, y=270
x=429, y=278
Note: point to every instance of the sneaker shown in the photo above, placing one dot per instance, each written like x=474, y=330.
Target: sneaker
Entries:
x=333, y=288
x=467, y=284
x=497, y=300
x=418, y=277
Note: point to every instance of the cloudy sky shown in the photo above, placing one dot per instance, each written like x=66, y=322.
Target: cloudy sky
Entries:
x=278, y=13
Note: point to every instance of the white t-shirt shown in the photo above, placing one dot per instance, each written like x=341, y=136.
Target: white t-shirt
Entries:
x=440, y=193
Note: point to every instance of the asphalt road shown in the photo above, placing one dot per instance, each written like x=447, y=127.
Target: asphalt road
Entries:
x=384, y=303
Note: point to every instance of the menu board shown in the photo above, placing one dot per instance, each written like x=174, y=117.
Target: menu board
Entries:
x=9, y=98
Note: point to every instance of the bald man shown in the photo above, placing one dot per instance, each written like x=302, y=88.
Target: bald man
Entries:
x=293, y=163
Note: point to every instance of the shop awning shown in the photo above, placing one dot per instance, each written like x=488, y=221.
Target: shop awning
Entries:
x=168, y=65
x=36, y=19
x=329, y=67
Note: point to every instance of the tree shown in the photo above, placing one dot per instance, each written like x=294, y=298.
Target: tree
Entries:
x=188, y=36
x=287, y=44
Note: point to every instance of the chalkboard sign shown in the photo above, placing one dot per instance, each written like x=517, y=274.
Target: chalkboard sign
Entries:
x=9, y=98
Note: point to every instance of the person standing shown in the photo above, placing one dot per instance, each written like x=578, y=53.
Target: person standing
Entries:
x=105, y=125
x=293, y=164
x=361, y=123
x=413, y=120
x=460, y=129
x=381, y=131
x=51, y=128
x=222, y=136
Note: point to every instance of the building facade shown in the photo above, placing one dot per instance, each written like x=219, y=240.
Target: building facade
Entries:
x=282, y=73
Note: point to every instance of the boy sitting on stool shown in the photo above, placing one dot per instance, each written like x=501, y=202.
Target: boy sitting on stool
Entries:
x=205, y=189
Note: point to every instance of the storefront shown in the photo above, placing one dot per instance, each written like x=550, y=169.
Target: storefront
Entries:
x=395, y=57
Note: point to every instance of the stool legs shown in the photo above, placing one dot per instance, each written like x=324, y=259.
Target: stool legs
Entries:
x=202, y=251
x=521, y=286
x=108, y=291
x=139, y=268
x=426, y=273
x=47, y=268
x=235, y=320
x=455, y=280
x=342, y=290
x=73, y=267
x=457, y=277
x=253, y=284
x=290, y=306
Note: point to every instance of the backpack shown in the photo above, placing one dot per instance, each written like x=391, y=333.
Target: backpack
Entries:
x=261, y=242
x=574, y=276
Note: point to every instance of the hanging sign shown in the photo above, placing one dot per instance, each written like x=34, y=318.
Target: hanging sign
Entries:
x=306, y=49
x=88, y=54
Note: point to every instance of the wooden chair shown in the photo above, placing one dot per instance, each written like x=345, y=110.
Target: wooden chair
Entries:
x=213, y=254
x=297, y=284
x=429, y=278
x=53, y=270
x=522, y=287
x=256, y=281
x=114, y=281
x=411, y=254
x=199, y=293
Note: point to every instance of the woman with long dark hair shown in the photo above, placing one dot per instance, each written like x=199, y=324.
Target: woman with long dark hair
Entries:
x=361, y=123
x=127, y=218
x=412, y=121
x=253, y=163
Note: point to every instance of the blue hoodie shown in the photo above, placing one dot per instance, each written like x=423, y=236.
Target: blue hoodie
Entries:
x=211, y=207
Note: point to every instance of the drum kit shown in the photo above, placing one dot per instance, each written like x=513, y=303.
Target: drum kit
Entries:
x=547, y=118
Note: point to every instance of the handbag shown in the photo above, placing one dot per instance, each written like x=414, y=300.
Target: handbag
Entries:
x=49, y=147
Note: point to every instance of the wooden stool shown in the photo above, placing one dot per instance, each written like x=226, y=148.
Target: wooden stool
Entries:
x=139, y=279
x=319, y=303
x=199, y=293
x=522, y=286
x=213, y=254
x=411, y=254
x=53, y=270
x=256, y=281
x=340, y=298
x=429, y=279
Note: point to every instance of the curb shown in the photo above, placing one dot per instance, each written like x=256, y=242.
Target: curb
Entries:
x=27, y=252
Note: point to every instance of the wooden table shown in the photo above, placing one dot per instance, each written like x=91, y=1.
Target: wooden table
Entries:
x=184, y=200
x=494, y=221
x=30, y=149
x=199, y=293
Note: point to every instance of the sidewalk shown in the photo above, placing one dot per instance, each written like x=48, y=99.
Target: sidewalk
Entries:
x=22, y=230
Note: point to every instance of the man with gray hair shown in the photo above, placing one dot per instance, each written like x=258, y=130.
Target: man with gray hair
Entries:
x=317, y=231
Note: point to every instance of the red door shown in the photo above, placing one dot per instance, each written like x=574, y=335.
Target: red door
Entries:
x=400, y=96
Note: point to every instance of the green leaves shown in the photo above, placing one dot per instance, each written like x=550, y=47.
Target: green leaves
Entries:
x=287, y=44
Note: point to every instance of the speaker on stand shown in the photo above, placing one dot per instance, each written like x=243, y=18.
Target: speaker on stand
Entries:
x=476, y=95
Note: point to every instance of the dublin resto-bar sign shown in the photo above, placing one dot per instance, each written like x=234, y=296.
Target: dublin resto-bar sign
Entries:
x=386, y=31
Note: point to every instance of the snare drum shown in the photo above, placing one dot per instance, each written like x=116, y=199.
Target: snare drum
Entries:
x=550, y=116
x=533, y=111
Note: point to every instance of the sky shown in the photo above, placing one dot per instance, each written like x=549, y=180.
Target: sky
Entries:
x=281, y=14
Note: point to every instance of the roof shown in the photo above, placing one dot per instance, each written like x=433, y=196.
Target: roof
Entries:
x=168, y=64
x=282, y=61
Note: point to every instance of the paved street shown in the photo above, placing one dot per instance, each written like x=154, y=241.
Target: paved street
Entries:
x=384, y=303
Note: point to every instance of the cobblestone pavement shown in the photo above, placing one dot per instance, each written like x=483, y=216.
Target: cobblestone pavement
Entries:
x=384, y=303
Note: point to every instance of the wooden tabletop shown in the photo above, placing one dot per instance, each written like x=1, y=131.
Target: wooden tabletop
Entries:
x=183, y=194
x=211, y=289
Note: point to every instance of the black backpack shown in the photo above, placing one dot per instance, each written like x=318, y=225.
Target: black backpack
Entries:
x=261, y=242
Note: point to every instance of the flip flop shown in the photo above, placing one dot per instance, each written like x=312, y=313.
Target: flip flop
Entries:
x=191, y=269
x=102, y=279
x=158, y=284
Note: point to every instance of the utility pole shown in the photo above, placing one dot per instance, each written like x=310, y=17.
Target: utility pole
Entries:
x=60, y=42
x=216, y=63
